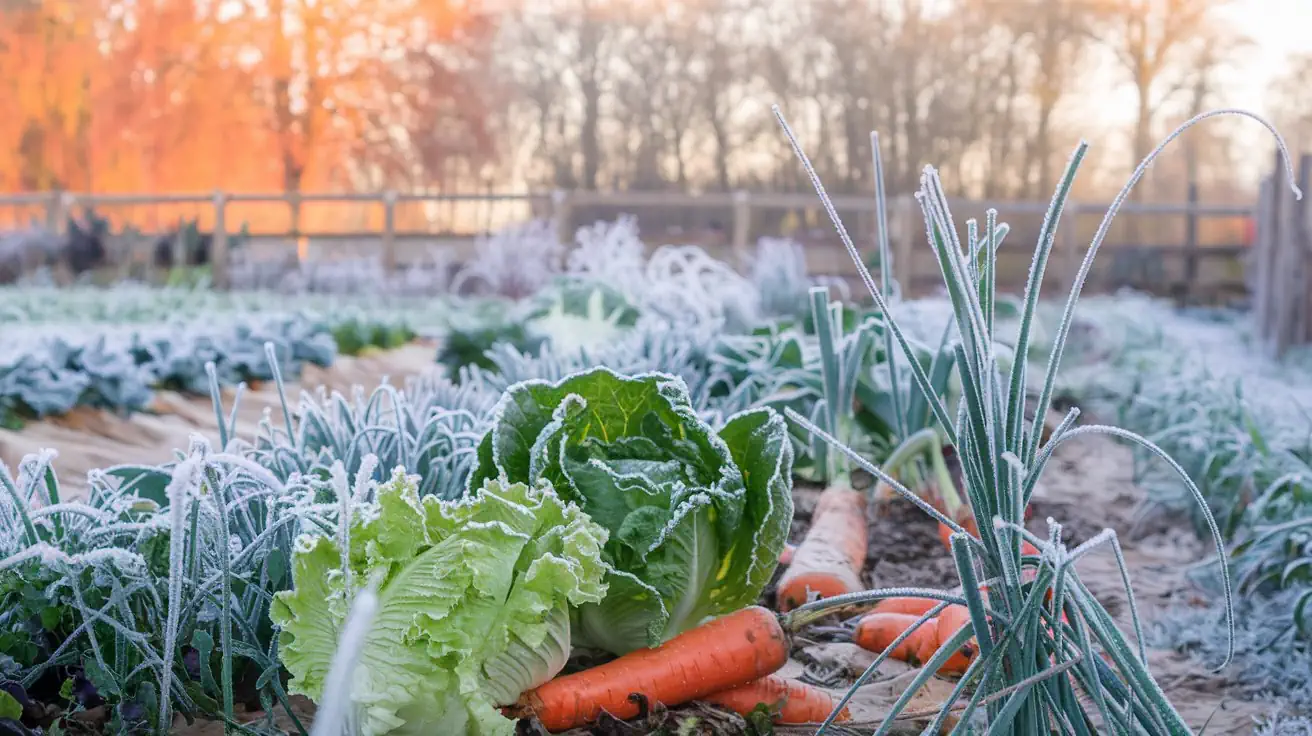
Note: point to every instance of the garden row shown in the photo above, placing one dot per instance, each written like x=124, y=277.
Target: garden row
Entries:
x=1200, y=386
x=594, y=521
x=51, y=368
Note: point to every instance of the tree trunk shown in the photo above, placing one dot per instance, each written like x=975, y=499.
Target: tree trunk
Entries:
x=589, y=39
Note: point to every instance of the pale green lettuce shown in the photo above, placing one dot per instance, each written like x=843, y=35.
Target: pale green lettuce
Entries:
x=474, y=601
x=696, y=518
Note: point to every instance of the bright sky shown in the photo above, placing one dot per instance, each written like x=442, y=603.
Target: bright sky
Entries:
x=1279, y=29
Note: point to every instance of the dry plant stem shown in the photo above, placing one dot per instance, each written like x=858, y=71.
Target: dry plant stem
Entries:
x=184, y=477
x=886, y=278
x=224, y=554
x=20, y=505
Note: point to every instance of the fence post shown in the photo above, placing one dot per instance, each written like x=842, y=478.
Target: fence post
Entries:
x=560, y=212
x=1302, y=246
x=1068, y=240
x=219, y=244
x=742, y=223
x=1267, y=252
x=1285, y=276
x=1191, y=241
x=389, y=231
x=901, y=227
x=56, y=217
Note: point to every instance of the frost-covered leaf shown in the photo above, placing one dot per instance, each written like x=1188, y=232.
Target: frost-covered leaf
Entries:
x=696, y=519
x=473, y=604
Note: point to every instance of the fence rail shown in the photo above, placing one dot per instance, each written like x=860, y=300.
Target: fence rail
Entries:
x=1190, y=234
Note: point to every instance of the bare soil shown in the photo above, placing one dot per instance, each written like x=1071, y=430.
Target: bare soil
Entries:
x=89, y=438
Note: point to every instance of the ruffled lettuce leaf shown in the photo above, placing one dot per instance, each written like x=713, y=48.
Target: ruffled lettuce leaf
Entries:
x=474, y=604
x=696, y=519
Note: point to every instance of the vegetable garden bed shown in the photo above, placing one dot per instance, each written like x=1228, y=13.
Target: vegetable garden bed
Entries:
x=590, y=531
x=905, y=549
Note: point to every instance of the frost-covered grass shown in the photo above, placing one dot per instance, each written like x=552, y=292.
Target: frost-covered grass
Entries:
x=1240, y=424
x=1271, y=664
x=124, y=304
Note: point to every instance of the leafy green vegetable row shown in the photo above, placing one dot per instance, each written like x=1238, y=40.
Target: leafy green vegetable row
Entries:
x=49, y=375
x=130, y=303
x=158, y=598
x=43, y=374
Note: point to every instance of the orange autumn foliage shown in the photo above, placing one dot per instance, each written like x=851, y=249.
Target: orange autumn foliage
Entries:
x=104, y=96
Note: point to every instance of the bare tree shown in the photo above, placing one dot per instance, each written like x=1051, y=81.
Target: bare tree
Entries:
x=1154, y=41
x=1291, y=103
x=645, y=93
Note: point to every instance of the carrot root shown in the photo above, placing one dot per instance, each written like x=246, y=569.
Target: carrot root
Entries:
x=830, y=558
x=905, y=604
x=797, y=702
x=719, y=655
x=876, y=631
x=786, y=556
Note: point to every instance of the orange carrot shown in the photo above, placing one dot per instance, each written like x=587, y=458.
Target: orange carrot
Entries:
x=905, y=604
x=797, y=702
x=786, y=556
x=829, y=560
x=948, y=622
x=721, y=654
x=876, y=631
x=945, y=536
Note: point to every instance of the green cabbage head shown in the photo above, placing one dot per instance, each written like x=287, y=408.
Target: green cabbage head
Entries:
x=474, y=601
x=696, y=518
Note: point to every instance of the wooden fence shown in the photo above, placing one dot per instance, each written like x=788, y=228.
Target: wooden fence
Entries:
x=1187, y=250
x=1282, y=273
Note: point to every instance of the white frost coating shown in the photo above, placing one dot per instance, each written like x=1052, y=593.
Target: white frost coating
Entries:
x=71, y=509
x=343, y=491
x=610, y=253
x=186, y=476
x=48, y=555
x=514, y=262
x=684, y=282
x=31, y=474
x=364, y=482
x=336, y=713
x=781, y=459
x=124, y=560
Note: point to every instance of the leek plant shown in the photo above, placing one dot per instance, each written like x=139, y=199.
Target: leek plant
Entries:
x=1051, y=657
